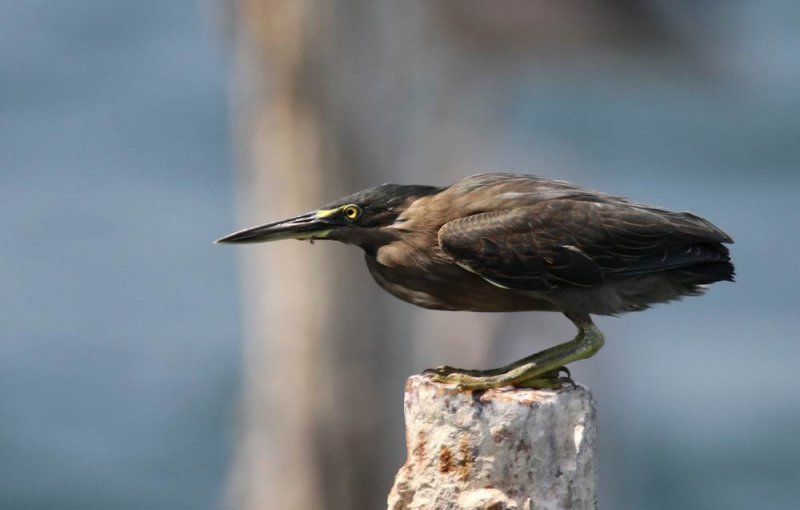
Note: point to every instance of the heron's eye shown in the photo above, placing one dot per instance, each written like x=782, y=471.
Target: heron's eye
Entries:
x=352, y=212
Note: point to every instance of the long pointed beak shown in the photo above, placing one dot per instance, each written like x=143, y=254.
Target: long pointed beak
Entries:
x=305, y=226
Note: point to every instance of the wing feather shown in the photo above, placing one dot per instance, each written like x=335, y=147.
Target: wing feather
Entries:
x=579, y=242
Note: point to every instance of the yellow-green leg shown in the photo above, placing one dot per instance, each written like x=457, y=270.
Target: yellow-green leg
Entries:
x=540, y=370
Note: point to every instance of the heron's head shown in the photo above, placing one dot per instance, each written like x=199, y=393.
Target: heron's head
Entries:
x=359, y=219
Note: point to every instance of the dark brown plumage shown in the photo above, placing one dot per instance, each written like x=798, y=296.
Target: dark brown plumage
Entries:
x=506, y=242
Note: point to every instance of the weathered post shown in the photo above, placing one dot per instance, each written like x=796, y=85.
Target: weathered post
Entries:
x=497, y=449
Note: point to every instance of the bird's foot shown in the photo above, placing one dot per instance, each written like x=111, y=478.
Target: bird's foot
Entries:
x=541, y=370
x=549, y=381
x=446, y=370
x=497, y=378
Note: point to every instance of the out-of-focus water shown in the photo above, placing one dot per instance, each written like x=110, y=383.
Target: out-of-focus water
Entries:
x=119, y=338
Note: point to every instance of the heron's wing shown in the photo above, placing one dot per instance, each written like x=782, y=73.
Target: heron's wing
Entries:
x=579, y=243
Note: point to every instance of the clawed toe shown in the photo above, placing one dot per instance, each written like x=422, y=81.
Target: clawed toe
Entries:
x=441, y=370
x=542, y=370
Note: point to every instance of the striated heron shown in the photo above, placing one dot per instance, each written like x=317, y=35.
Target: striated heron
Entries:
x=507, y=242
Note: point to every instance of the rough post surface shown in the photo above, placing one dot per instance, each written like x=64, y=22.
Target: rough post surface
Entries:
x=497, y=449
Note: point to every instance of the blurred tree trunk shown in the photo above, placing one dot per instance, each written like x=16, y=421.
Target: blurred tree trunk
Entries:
x=318, y=348
x=334, y=96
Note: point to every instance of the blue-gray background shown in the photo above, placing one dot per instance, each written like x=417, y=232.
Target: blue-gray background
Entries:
x=119, y=322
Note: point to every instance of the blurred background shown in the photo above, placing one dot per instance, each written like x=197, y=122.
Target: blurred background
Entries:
x=143, y=367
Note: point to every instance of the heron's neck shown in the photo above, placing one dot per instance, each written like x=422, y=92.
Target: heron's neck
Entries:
x=368, y=239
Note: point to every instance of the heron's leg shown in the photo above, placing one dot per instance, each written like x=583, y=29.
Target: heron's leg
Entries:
x=538, y=370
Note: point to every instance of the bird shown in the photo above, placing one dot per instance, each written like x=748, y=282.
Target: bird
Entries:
x=503, y=242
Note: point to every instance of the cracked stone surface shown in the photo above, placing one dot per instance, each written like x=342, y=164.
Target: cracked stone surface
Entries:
x=504, y=449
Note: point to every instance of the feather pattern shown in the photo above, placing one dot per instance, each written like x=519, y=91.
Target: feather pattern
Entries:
x=582, y=239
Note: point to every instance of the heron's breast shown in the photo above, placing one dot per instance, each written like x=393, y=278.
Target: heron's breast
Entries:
x=439, y=284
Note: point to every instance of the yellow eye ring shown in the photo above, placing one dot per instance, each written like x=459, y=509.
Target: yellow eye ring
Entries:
x=352, y=212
